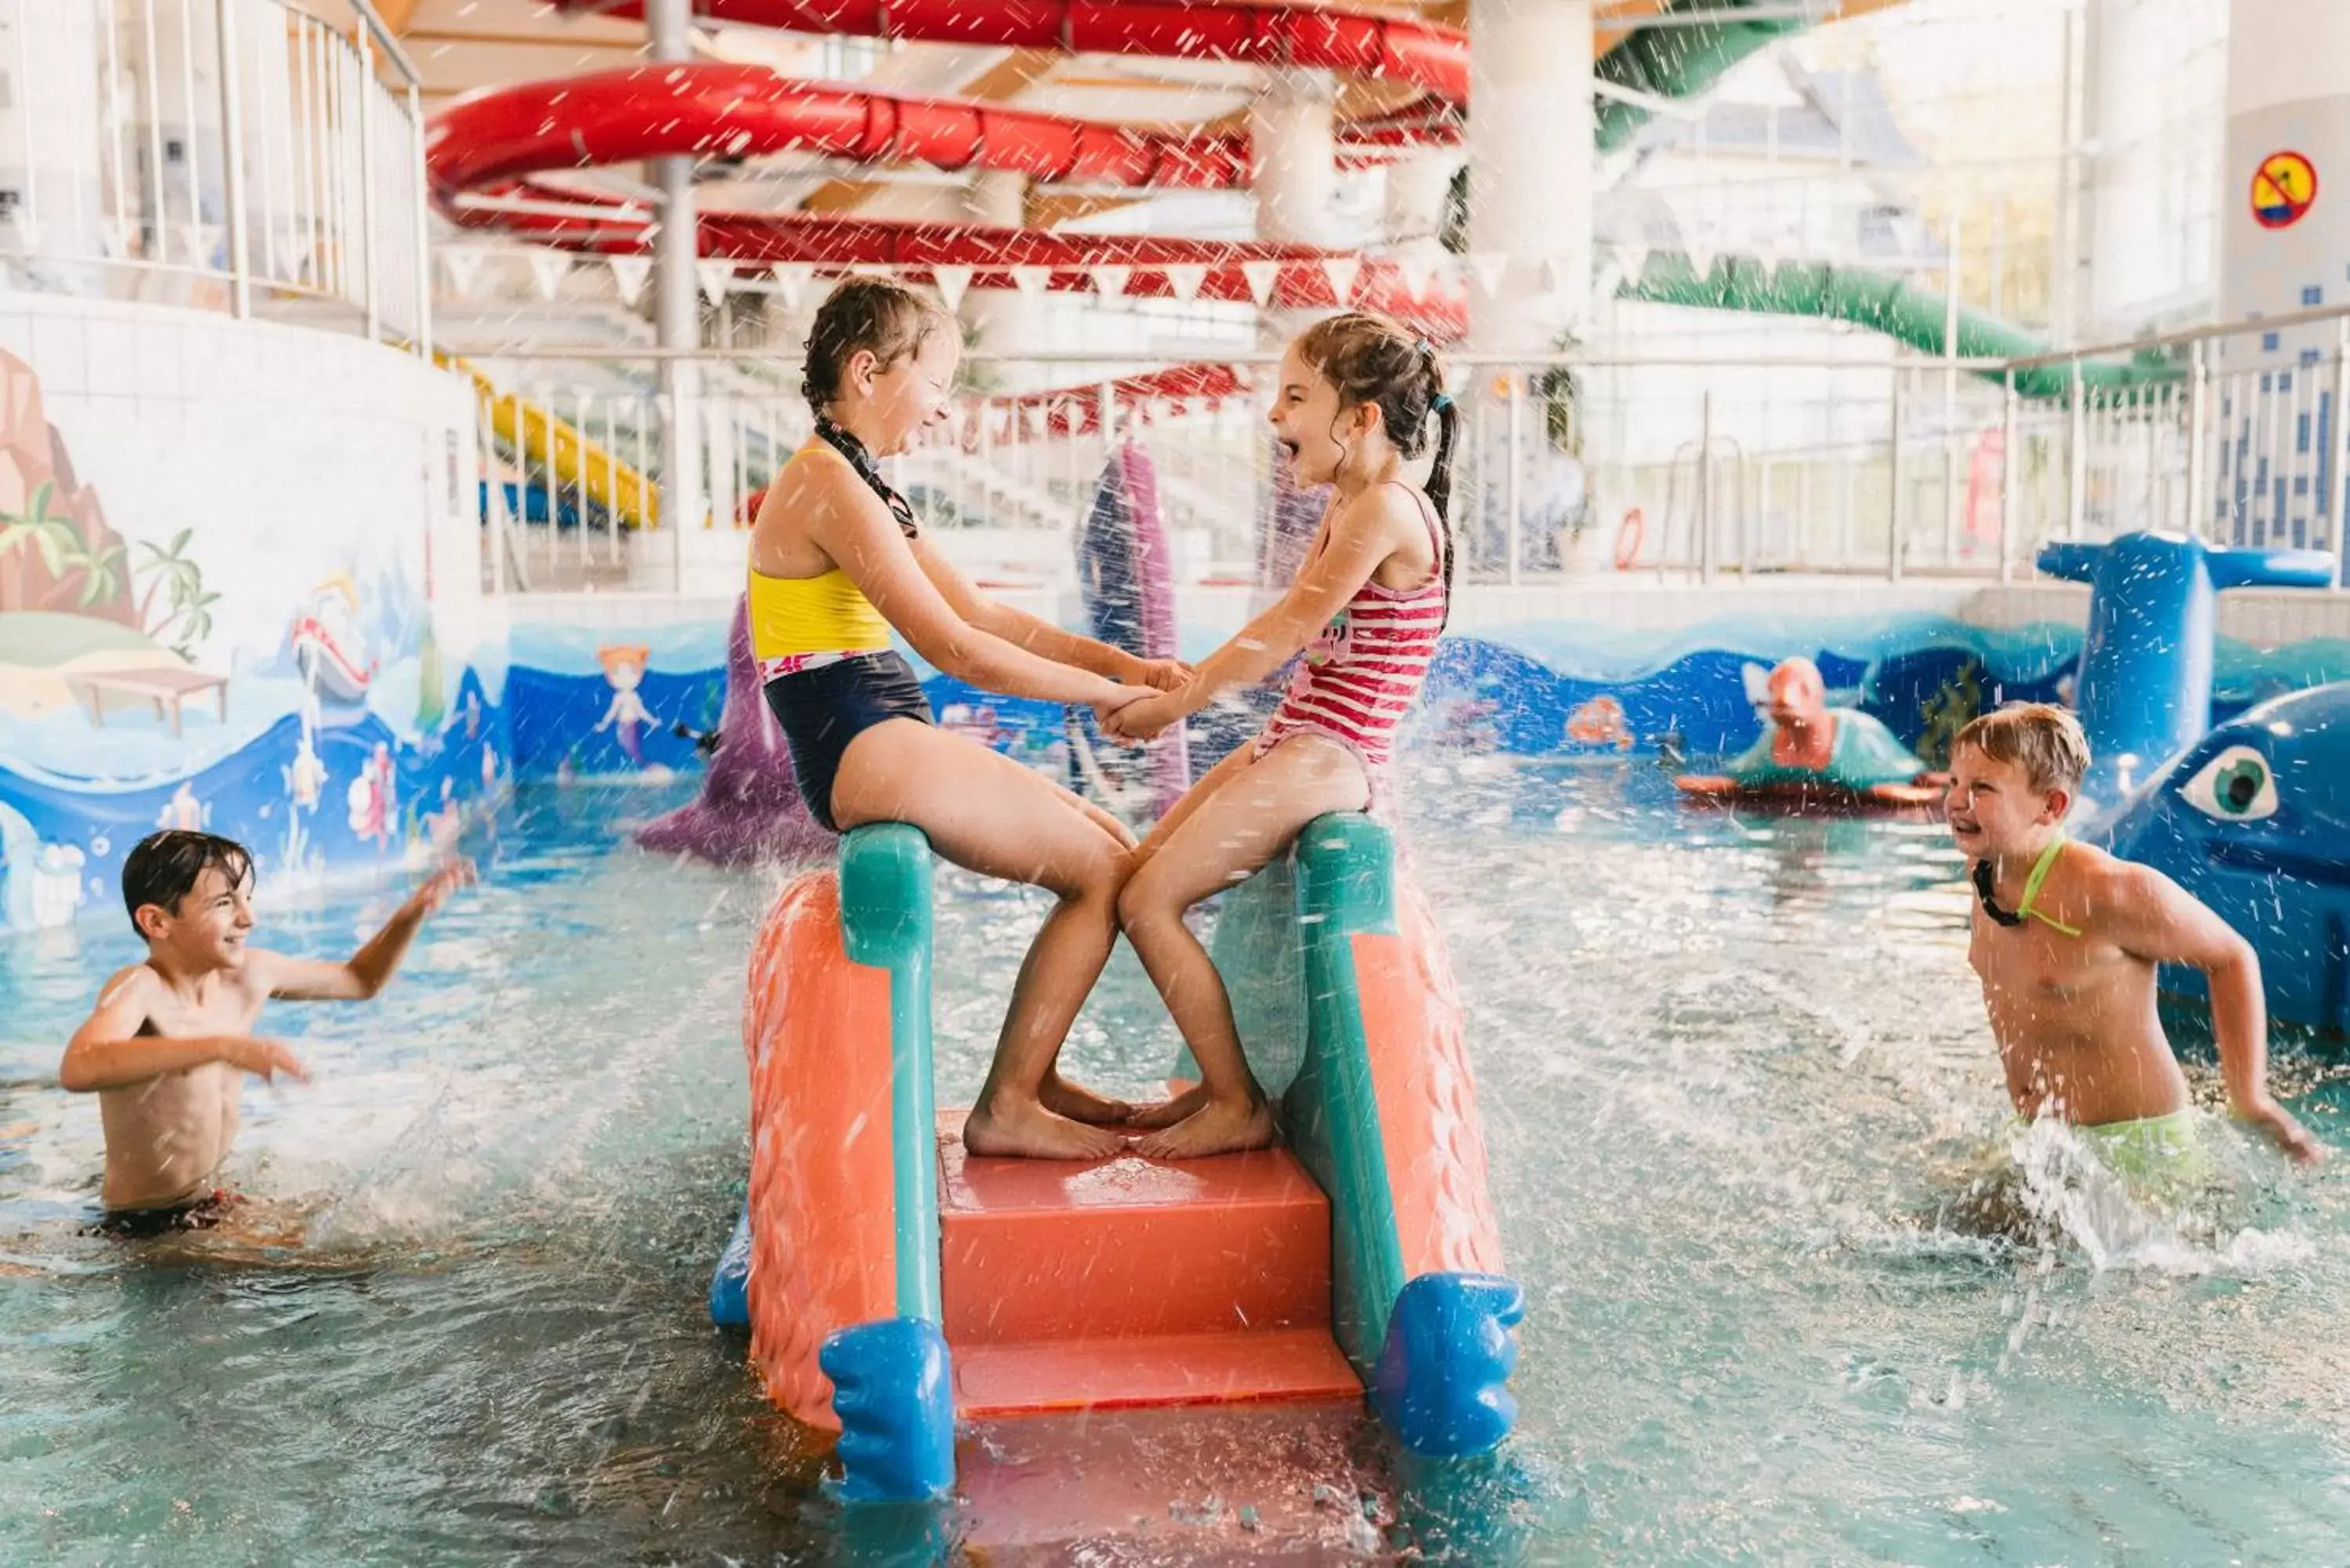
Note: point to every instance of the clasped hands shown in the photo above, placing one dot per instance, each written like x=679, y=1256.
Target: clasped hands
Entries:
x=1151, y=700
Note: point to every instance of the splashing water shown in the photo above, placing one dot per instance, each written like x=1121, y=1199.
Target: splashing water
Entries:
x=1737, y=1090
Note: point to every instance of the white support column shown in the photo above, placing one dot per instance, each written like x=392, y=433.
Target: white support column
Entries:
x=1292, y=173
x=1005, y=321
x=1530, y=159
x=677, y=305
x=1417, y=183
x=1292, y=156
x=2133, y=244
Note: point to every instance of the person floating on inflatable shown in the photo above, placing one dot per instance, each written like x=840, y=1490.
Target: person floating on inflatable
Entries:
x=1811, y=750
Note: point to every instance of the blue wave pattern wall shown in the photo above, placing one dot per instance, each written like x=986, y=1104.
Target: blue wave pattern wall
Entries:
x=333, y=800
x=341, y=797
x=1533, y=690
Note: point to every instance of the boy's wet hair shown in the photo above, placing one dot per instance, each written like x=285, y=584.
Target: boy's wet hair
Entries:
x=2042, y=739
x=1372, y=358
x=863, y=313
x=162, y=867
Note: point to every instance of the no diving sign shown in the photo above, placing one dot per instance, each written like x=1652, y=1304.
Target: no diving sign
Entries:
x=2285, y=187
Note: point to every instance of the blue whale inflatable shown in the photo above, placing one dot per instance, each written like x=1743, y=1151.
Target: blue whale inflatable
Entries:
x=2145, y=683
x=2252, y=818
x=2255, y=820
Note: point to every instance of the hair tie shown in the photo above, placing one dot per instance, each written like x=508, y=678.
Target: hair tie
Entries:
x=1423, y=347
x=1438, y=403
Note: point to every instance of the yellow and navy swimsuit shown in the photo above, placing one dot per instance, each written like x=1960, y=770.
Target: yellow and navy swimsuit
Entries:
x=825, y=661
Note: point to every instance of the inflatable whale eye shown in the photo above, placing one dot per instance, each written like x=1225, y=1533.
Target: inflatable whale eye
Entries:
x=2237, y=786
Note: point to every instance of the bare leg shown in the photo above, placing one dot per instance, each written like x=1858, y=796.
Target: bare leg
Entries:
x=1168, y=1112
x=987, y=812
x=1248, y=819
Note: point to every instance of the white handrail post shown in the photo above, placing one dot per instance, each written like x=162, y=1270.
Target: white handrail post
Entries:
x=1899, y=511
x=232, y=160
x=2009, y=461
x=2077, y=468
x=1515, y=490
x=423, y=324
x=2199, y=411
x=2335, y=448
x=370, y=292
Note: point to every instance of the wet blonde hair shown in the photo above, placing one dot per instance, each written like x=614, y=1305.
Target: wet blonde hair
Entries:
x=2042, y=739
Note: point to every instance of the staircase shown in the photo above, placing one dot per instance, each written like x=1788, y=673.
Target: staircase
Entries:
x=1134, y=1282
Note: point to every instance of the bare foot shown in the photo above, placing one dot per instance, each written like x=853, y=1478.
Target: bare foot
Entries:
x=1220, y=1127
x=1167, y=1113
x=1080, y=1104
x=1026, y=1128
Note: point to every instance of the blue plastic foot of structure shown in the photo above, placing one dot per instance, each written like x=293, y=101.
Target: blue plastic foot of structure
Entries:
x=1440, y=1381
x=730, y=1300
x=893, y=1391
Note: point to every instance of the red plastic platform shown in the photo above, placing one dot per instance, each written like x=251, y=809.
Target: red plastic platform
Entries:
x=1135, y=1282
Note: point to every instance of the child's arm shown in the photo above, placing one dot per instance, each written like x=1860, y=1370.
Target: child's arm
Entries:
x=366, y=972
x=1361, y=538
x=1039, y=636
x=109, y=1053
x=851, y=526
x=2152, y=918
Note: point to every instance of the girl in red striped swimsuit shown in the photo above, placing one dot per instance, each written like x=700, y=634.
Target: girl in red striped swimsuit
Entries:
x=1358, y=395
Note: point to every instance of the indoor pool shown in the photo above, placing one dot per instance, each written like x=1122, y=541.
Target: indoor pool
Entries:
x=1734, y=1074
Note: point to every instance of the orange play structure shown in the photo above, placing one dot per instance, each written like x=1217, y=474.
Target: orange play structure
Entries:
x=893, y=1282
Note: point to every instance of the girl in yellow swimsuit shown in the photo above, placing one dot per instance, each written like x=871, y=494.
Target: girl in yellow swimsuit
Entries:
x=837, y=564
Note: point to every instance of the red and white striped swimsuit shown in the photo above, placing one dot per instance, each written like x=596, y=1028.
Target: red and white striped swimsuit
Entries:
x=1358, y=678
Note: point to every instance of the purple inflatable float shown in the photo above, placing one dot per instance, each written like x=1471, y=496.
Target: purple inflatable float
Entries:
x=749, y=808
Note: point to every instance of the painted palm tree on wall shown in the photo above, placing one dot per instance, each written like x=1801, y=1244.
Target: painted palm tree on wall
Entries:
x=187, y=607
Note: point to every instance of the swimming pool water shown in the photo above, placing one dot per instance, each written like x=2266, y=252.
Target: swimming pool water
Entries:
x=1731, y=1072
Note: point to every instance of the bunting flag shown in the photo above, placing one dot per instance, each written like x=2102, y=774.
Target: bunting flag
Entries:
x=463, y=263
x=1032, y=281
x=548, y=269
x=1490, y=267
x=1340, y=272
x=1110, y=278
x=1634, y=261
x=792, y=281
x=716, y=276
x=1184, y=278
x=1415, y=267
x=629, y=275
x=1033, y=420
x=951, y=280
x=1700, y=261
x=1261, y=276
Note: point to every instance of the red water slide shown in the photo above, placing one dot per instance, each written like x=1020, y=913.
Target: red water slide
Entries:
x=491, y=144
x=1305, y=35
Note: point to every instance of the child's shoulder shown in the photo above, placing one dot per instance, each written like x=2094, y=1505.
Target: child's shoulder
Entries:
x=2100, y=878
x=136, y=986
x=1392, y=504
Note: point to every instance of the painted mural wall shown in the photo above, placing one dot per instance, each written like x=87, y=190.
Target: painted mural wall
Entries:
x=239, y=590
x=613, y=704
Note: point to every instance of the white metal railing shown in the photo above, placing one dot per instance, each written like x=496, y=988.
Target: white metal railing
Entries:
x=253, y=156
x=1696, y=468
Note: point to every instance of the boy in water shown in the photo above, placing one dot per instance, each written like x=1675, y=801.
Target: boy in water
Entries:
x=170, y=1040
x=2067, y=939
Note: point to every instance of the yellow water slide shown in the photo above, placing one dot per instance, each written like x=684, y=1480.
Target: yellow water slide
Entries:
x=577, y=463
